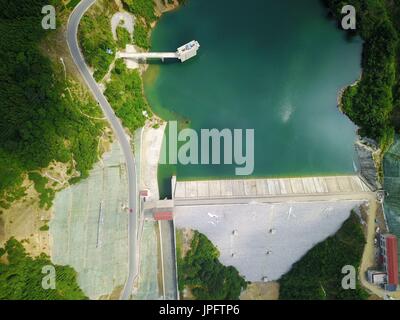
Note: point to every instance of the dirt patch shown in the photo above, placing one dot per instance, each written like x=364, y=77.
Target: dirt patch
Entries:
x=151, y=144
x=115, y=295
x=185, y=238
x=380, y=221
x=379, y=227
x=58, y=174
x=187, y=294
x=23, y=221
x=183, y=242
x=261, y=291
x=106, y=141
x=2, y=232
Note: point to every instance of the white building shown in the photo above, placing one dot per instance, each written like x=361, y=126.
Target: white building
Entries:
x=377, y=277
x=188, y=50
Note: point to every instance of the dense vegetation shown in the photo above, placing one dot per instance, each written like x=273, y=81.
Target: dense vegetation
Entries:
x=144, y=11
x=142, y=8
x=124, y=91
x=141, y=34
x=374, y=104
x=46, y=195
x=125, y=94
x=201, y=271
x=317, y=276
x=21, y=276
x=41, y=118
x=96, y=39
x=123, y=37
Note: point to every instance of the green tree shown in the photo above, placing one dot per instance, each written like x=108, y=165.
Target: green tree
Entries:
x=317, y=276
x=208, y=279
x=373, y=104
x=21, y=277
x=42, y=118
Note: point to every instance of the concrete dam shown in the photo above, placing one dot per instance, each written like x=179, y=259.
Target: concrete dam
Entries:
x=267, y=190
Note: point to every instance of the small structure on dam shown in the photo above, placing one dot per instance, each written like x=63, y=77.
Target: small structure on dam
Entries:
x=183, y=53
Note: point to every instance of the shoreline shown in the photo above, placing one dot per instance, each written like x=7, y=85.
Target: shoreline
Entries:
x=378, y=153
x=150, y=180
x=341, y=92
x=154, y=128
x=150, y=150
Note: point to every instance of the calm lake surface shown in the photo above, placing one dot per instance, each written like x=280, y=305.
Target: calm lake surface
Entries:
x=272, y=66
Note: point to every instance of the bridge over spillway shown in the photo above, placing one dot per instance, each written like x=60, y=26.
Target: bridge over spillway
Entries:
x=183, y=53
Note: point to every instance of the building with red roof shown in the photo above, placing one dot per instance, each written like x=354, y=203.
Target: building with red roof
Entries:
x=389, y=255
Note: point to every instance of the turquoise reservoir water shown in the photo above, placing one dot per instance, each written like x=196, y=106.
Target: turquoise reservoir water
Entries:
x=272, y=66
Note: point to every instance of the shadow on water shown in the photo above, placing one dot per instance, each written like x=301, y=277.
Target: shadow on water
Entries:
x=159, y=61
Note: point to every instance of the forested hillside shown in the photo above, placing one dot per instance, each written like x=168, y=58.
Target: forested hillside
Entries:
x=21, y=276
x=125, y=94
x=124, y=90
x=374, y=104
x=318, y=275
x=41, y=119
x=96, y=39
x=201, y=271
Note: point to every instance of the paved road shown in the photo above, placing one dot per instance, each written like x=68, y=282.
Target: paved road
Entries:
x=123, y=139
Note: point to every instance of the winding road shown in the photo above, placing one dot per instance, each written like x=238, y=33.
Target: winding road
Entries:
x=123, y=139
